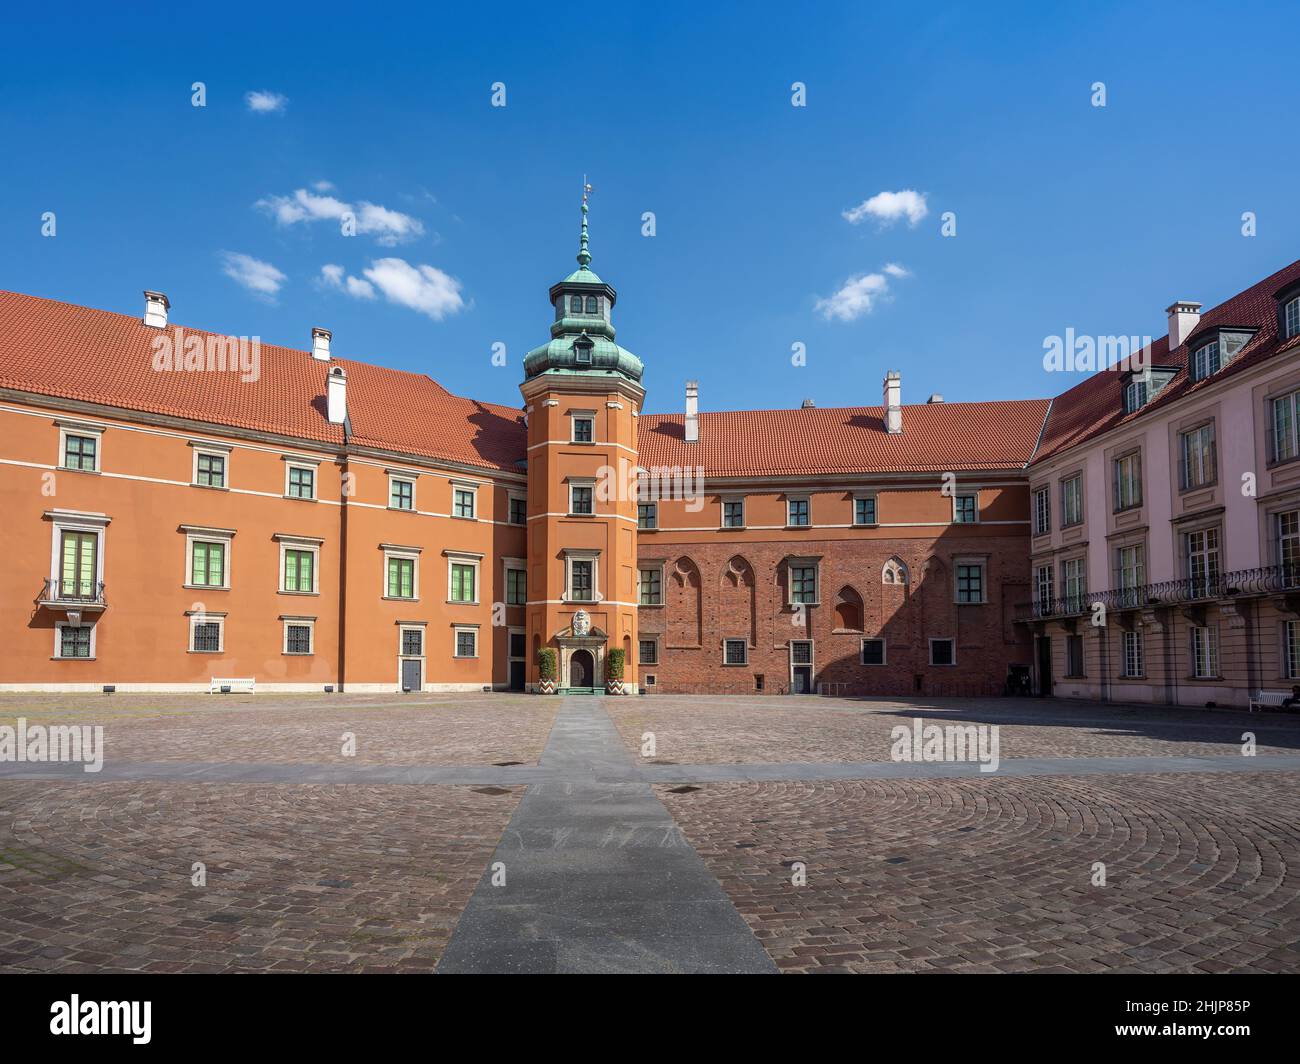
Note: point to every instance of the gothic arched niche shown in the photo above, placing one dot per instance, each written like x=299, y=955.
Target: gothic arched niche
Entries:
x=848, y=610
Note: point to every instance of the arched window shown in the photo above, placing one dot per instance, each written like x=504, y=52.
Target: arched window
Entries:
x=894, y=572
x=575, y=304
x=592, y=306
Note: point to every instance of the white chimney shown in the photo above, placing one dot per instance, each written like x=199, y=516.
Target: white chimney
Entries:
x=155, y=309
x=935, y=398
x=1183, y=318
x=320, y=344
x=692, y=411
x=336, y=395
x=807, y=404
x=893, y=402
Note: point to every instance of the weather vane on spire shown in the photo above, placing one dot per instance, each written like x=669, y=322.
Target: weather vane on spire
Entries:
x=584, y=255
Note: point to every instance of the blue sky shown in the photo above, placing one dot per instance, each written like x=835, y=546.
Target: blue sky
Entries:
x=1068, y=215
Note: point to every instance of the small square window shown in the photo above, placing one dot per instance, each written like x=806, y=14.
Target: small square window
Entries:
x=735, y=652
x=797, y=512
x=873, y=652
x=80, y=452
x=297, y=639
x=941, y=652
x=801, y=652
x=74, y=642
x=864, y=511
x=462, y=502
x=466, y=643
x=647, y=515
x=733, y=513
x=412, y=642
x=401, y=493
x=210, y=470
x=206, y=637
x=302, y=482
x=580, y=499
x=965, y=509
x=648, y=652
x=583, y=430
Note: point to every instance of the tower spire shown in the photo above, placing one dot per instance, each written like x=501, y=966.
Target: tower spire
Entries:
x=584, y=255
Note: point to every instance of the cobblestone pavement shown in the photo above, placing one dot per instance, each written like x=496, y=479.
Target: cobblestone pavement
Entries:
x=698, y=729
x=995, y=875
x=417, y=729
x=309, y=878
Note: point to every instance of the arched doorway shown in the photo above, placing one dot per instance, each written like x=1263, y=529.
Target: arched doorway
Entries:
x=582, y=669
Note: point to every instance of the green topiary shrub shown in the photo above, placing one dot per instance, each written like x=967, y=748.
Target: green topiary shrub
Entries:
x=546, y=662
x=614, y=665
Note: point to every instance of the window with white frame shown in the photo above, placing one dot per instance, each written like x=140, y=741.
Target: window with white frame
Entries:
x=1197, y=465
x=1044, y=591
x=79, y=449
x=864, y=509
x=1130, y=568
x=942, y=652
x=1071, y=501
x=1202, y=554
x=1291, y=318
x=1204, y=361
x=733, y=513
x=299, y=566
x=803, y=583
x=401, y=492
x=1128, y=481
x=210, y=467
x=651, y=591
x=401, y=574
x=1283, y=427
x=207, y=634
x=1291, y=646
x=77, y=556
x=299, y=636
x=647, y=651
x=1205, y=652
x=584, y=426
x=970, y=582
x=582, y=497
x=462, y=578
x=797, y=512
x=965, y=509
x=1042, y=510
x=466, y=642
x=1136, y=392
x=74, y=640
x=207, y=566
x=1287, y=532
x=873, y=652
x=411, y=642
x=1133, y=663
x=735, y=652
x=647, y=515
x=462, y=501
x=300, y=481
x=1072, y=584
x=581, y=576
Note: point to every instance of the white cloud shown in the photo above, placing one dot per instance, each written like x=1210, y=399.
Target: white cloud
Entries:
x=323, y=186
x=890, y=207
x=859, y=295
x=332, y=277
x=260, y=278
x=423, y=288
x=388, y=227
x=264, y=102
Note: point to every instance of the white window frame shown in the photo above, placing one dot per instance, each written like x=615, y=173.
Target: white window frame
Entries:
x=1132, y=655
x=942, y=639
x=1044, y=580
x=582, y=415
x=884, y=652
x=412, y=554
x=222, y=536
x=58, y=641
x=78, y=428
x=653, y=568
x=472, y=488
x=1127, y=486
x=1136, y=393
x=571, y=556
x=455, y=558
x=864, y=496
x=1043, y=510
x=1074, y=599
x=298, y=622
x=1292, y=444
x=1076, y=479
x=195, y=619
x=211, y=450
x=722, y=510
x=456, y=631
x=957, y=496
x=744, y=644
x=1291, y=318
x=302, y=463
x=1290, y=649
x=1207, y=453
x=790, y=500
x=803, y=563
x=71, y=521
x=421, y=657
x=1205, y=652
x=402, y=478
x=1199, y=367
x=582, y=482
x=303, y=543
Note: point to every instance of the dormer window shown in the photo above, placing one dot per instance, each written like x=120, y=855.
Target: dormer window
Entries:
x=1135, y=394
x=1291, y=318
x=582, y=350
x=1205, y=361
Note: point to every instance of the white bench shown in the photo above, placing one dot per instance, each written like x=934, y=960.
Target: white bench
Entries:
x=236, y=685
x=1268, y=699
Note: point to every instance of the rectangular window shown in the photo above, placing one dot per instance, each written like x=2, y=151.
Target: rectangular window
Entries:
x=864, y=510
x=1205, y=361
x=1044, y=591
x=1291, y=319
x=801, y=652
x=462, y=582
x=74, y=642
x=652, y=587
x=1198, y=466
x=1288, y=546
x=412, y=642
x=580, y=498
x=941, y=652
x=79, y=568
x=1129, y=574
x=965, y=509
x=647, y=515
x=1128, y=481
x=518, y=510
x=516, y=587
x=1284, y=428
x=1042, y=511
x=648, y=653
x=302, y=482
x=1071, y=501
x=733, y=513
x=797, y=512
x=401, y=494
x=1202, y=552
x=735, y=652
x=1290, y=633
x=401, y=578
x=1205, y=653
x=1074, y=655
x=1072, y=584
x=297, y=638
x=210, y=470
x=1133, y=663
x=208, y=564
x=79, y=452
x=462, y=502
x=582, y=430
x=873, y=652
x=299, y=570
x=466, y=643
x=206, y=637
x=580, y=573
x=970, y=583
x=803, y=584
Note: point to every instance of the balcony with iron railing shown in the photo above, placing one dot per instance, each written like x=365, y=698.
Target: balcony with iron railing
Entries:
x=74, y=594
x=1269, y=580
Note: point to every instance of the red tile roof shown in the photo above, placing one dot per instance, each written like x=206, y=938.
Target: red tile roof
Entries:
x=1096, y=405
x=936, y=437
x=57, y=349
